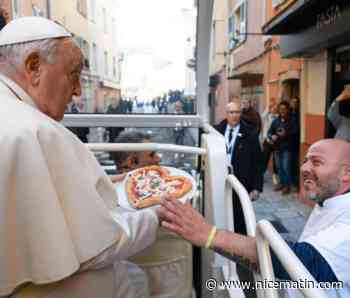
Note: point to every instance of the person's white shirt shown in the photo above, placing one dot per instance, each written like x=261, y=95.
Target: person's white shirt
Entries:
x=230, y=145
x=328, y=231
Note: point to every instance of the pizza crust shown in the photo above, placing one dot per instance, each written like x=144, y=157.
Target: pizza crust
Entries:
x=154, y=199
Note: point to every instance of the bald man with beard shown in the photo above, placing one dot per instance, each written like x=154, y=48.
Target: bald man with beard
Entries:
x=324, y=245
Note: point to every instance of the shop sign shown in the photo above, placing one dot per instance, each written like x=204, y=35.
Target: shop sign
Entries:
x=329, y=17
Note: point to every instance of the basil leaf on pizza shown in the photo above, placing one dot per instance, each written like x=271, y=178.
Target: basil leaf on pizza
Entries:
x=146, y=186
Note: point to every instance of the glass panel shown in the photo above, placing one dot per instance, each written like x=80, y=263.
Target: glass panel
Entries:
x=139, y=55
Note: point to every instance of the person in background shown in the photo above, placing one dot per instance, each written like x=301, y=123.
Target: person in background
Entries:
x=245, y=158
x=340, y=122
x=80, y=132
x=64, y=234
x=164, y=278
x=268, y=116
x=250, y=115
x=116, y=107
x=126, y=160
x=324, y=245
x=281, y=133
x=4, y=16
x=295, y=114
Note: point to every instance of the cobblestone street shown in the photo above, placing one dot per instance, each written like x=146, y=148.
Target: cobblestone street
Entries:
x=287, y=214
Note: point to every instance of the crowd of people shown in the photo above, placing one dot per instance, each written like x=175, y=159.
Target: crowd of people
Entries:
x=62, y=231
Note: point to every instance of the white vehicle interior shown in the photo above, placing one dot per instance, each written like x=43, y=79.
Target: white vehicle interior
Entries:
x=192, y=267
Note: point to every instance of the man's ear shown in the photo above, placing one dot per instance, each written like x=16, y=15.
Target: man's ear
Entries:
x=346, y=173
x=132, y=160
x=32, y=67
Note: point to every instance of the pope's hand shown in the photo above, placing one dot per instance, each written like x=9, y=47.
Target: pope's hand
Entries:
x=117, y=178
x=184, y=220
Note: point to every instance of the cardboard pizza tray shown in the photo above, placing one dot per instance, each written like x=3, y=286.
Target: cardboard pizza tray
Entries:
x=124, y=202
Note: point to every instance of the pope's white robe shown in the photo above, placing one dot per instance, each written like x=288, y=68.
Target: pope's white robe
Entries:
x=60, y=226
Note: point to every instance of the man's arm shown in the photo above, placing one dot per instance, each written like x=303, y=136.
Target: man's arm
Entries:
x=189, y=224
x=238, y=248
x=333, y=114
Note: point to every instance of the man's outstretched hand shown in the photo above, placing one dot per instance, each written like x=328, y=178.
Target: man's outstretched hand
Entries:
x=183, y=220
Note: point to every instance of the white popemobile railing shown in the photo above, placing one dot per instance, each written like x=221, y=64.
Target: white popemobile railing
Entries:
x=145, y=147
x=265, y=233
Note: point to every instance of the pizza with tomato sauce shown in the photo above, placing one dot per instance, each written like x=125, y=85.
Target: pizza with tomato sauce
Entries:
x=146, y=186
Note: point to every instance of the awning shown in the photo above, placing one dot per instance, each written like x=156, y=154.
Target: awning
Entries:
x=109, y=84
x=299, y=15
x=246, y=75
x=290, y=75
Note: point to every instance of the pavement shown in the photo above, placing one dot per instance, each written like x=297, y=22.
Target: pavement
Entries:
x=286, y=213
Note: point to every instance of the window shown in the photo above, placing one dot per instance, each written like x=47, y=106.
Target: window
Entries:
x=106, y=62
x=16, y=8
x=114, y=67
x=92, y=10
x=82, y=7
x=84, y=45
x=94, y=57
x=114, y=30
x=104, y=13
x=37, y=11
x=237, y=23
x=276, y=3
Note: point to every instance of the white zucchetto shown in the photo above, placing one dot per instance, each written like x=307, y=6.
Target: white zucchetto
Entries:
x=27, y=29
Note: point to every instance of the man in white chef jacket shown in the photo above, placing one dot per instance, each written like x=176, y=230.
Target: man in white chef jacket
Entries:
x=61, y=231
x=324, y=245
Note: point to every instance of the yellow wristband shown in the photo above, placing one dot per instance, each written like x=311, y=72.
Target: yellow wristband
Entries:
x=210, y=237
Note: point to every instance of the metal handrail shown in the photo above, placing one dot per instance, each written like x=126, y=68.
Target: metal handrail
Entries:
x=267, y=235
x=246, y=203
x=144, y=147
x=248, y=212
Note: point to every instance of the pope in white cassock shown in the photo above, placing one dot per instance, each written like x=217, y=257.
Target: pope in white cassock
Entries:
x=61, y=231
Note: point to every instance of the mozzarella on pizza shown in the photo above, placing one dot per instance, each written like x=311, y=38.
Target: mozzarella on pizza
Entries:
x=146, y=186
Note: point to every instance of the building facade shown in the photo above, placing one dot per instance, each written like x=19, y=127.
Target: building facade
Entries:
x=246, y=50
x=219, y=91
x=105, y=56
x=10, y=9
x=93, y=24
x=317, y=32
x=245, y=62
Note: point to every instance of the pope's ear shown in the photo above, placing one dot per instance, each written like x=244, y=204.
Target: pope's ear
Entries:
x=32, y=67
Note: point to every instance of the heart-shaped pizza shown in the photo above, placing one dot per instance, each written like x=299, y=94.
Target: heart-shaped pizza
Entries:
x=145, y=186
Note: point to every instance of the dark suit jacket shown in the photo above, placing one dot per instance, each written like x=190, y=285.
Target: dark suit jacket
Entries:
x=247, y=158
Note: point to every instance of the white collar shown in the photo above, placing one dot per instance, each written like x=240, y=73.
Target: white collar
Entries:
x=17, y=90
x=337, y=201
x=232, y=127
